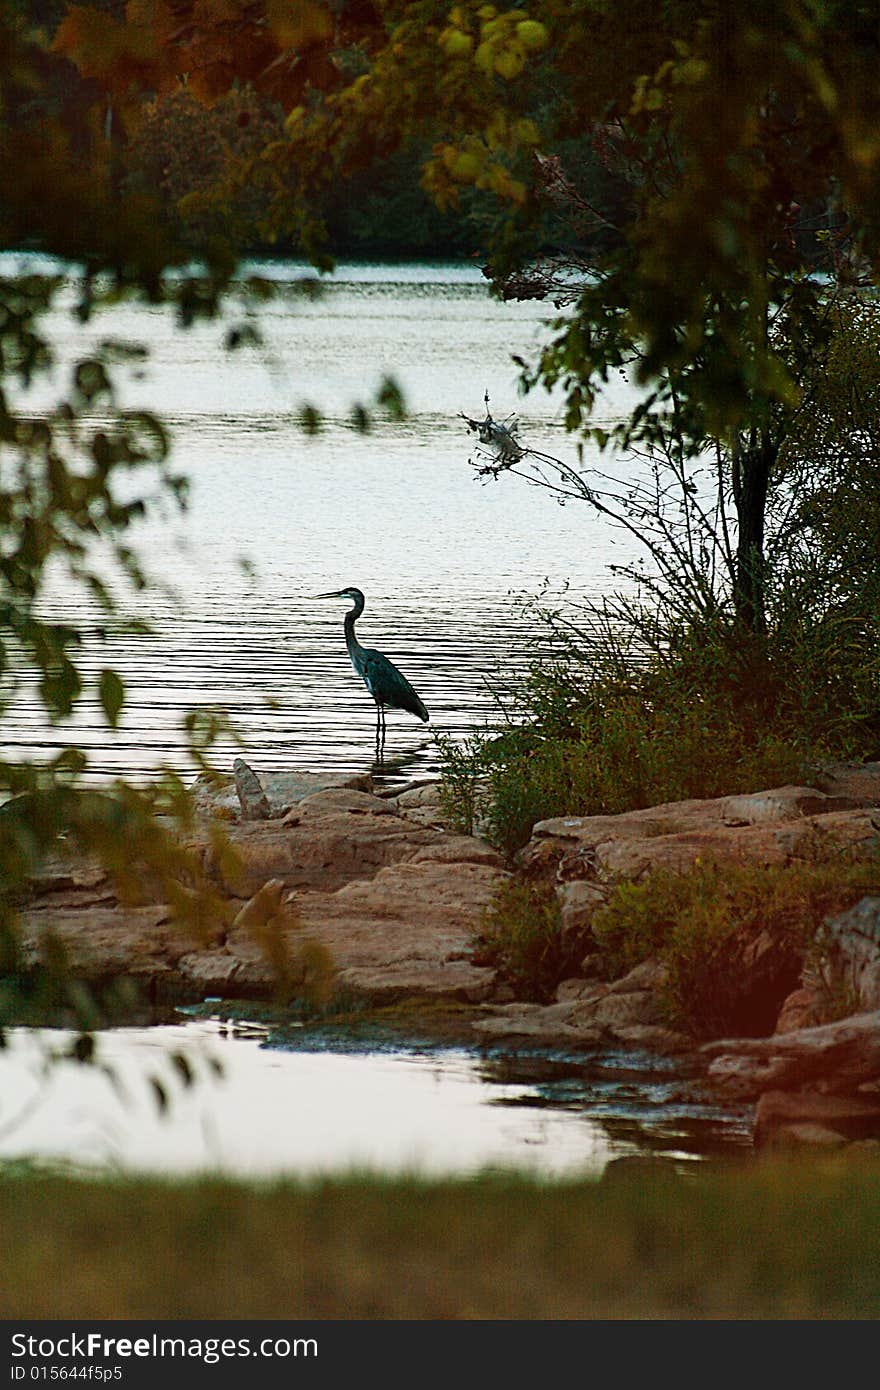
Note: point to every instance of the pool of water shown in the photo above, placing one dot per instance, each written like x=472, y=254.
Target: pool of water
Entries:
x=243, y=1099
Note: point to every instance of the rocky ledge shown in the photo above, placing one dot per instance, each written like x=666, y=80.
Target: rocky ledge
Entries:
x=814, y=1079
x=376, y=882
x=392, y=897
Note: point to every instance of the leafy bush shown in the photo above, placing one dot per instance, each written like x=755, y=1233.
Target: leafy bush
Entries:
x=636, y=706
x=521, y=935
x=705, y=926
x=734, y=938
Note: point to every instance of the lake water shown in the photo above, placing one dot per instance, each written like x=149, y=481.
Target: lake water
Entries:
x=289, y=1106
x=397, y=512
x=443, y=561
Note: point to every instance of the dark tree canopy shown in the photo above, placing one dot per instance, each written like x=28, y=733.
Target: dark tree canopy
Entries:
x=693, y=184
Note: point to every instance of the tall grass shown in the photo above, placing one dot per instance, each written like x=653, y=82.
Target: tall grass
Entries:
x=765, y=1241
x=705, y=926
x=637, y=705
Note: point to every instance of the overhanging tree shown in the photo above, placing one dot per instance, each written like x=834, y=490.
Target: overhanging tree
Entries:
x=743, y=150
x=74, y=478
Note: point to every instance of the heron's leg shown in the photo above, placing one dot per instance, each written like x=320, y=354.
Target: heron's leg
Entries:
x=378, y=731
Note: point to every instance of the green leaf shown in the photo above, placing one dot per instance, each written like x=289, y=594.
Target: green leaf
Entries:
x=183, y=1067
x=160, y=1095
x=111, y=692
x=360, y=419
x=83, y=1048
x=390, y=397
x=310, y=419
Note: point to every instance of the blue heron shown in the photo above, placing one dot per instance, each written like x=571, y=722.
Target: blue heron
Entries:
x=383, y=680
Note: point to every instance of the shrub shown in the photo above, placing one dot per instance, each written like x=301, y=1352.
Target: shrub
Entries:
x=635, y=706
x=521, y=935
x=705, y=926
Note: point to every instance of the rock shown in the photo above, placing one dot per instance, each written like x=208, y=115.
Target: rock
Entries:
x=765, y=828
x=397, y=900
x=850, y=944
x=422, y=804
x=589, y=1012
x=407, y=930
x=418, y=794
x=544, y=1023
x=396, y=904
x=578, y=900
x=762, y=844
x=569, y=990
x=106, y=943
x=322, y=850
x=783, y=804
x=61, y=875
x=331, y=801
x=254, y=801
x=581, y=992
x=649, y=974
x=617, y=1011
x=206, y=973
x=800, y=1010
x=858, y=781
x=648, y=1037
x=840, y=1056
x=216, y=796
x=809, y=1117
x=287, y=789
x=459, y=849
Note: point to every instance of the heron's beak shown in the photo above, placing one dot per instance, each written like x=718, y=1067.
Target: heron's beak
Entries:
x=337, y=593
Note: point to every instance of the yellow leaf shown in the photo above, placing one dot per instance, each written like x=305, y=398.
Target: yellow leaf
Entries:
x=298, y=23
x=691, y=72
x=455, y=44
x=496, y=130
x=510, y=63
x=526, y=132
x=484, y=56
x=532, y=35
x=465, y=167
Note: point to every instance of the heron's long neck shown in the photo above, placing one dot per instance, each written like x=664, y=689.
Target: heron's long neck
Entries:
x=351, y=618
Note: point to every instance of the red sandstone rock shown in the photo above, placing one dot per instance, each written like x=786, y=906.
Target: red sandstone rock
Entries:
x=840, y=1056
x=394, y=902
x=766, y=827
x=800, y=1010
x=809, y=1117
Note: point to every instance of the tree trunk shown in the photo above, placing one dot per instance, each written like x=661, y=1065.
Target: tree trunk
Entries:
x=752, y=466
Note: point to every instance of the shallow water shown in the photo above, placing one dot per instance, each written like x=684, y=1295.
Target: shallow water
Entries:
x=397, y=512
x=283, y=1106
x=443, y=561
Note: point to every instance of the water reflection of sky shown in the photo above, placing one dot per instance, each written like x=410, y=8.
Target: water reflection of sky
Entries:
x=277, y=1111
x=397, y=512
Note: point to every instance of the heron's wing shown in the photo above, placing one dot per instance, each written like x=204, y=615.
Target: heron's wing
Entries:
x=387, y=686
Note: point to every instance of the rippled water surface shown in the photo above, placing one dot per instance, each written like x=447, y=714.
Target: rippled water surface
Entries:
x=277, y=1107
x=397, y=512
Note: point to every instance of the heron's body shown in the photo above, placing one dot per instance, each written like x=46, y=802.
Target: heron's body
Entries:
x=388, y=687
